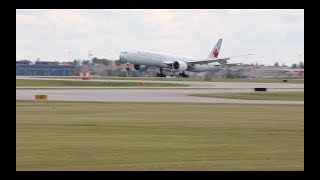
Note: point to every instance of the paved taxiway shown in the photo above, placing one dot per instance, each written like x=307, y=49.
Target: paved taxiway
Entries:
x=142, y=95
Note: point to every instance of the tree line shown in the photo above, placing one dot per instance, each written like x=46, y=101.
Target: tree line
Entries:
x=95, y=60
x=294, y=66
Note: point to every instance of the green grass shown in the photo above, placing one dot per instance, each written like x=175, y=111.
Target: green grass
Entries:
x=158, y=136
x=25, y=82
x=298, y=81
x=294, y=96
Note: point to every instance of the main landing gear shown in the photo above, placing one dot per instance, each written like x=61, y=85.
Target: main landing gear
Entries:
x=183, y=74
x=161, y=73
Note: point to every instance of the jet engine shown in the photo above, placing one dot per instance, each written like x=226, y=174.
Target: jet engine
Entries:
x=140, y=67
x=180, y=65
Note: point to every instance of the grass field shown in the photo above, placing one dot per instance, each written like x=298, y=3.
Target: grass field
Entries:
x=158, y=136
x=293, y=96
x=26, y=82
x=298, y=81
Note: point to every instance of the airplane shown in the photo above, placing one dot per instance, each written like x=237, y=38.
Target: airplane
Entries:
x=143, y=59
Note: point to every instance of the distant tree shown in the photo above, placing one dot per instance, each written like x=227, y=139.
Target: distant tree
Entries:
x=74, y=62
x=301, y=65
x=118, y=62
x=95, y=60
x=86, y=62
x=276, y=64
x=294, y=66
x=23, y=62
x=283, y=65
x=106, y=62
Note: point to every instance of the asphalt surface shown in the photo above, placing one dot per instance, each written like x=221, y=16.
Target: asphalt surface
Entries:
x=156, y=94
x=140, y=95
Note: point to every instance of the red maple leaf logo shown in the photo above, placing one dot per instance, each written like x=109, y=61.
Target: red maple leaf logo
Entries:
x=215, y=53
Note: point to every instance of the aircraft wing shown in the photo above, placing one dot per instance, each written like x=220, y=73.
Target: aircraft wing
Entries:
x=201, y=61
x=229, y=64
x=222, y=61
x=206, y=61
x=219, y=60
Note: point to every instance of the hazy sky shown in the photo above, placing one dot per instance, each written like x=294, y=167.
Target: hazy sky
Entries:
x=271, y=35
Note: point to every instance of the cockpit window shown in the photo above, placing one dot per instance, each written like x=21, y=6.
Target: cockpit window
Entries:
x=124, y=52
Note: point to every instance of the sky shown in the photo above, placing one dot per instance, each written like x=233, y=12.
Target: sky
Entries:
x=67, y=34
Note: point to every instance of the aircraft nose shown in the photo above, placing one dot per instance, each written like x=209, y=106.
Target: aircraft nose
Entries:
x=122, y=55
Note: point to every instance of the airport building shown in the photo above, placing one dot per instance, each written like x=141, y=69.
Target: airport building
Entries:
x=43, y=68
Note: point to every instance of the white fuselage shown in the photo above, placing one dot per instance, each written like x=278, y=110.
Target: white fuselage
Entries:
x=160, y=60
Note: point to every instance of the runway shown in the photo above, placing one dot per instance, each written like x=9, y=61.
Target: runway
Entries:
x=154, y=94
x=146, y=95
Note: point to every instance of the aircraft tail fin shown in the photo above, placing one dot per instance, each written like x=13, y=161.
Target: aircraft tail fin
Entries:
x=215, y=51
